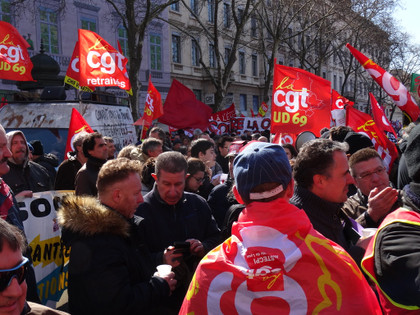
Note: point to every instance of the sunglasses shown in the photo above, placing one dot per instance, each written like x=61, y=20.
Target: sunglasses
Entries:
x=18, y=272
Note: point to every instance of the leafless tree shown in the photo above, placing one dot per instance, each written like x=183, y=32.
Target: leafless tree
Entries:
x=135, y=16
x=227, y=25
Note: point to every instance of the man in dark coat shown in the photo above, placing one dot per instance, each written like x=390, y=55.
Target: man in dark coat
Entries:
x=96, y=151
x=110, y=270
x=322, y=176
x=172, y=215
x=66, y=173
x=25, y=176
x=47, y=160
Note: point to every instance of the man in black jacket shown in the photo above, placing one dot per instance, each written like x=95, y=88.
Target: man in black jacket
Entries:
x=110, y=270
x=172, y=215
x=96, y=151
x=25, y=176
x=322, y=177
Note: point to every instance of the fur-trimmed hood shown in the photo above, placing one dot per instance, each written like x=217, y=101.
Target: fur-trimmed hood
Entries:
x=86, y=216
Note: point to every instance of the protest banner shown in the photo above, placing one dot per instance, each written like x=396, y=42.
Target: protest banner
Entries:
x=44, y=237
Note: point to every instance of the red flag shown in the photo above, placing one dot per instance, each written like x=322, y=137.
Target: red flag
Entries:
x=262, y=110
x=381, y=120
x=284, y=138
x=130, y=90
x=15, y=63
x=183, y=110
x=224, y=115
x=73, y=72
x=363, y=123
x=100, y=63
x=77, y=124
x=153, y=108
x=394, y=88
x=3, y=102
x=338, y=113
x=301, y=101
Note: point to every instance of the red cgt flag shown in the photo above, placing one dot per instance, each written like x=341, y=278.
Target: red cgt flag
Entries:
x=394, y=88
x=284, y=138
x=301, y=101
x=77, y=124
x=15, y=63
x=338, y=113
x=73, y=72
x=381, y=120
x=183, y=110
x=363, y=123
x=153, y=108
x=100, y=63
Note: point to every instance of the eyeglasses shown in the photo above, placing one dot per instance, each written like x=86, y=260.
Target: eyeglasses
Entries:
x=199, y=180
x=19, y=272
x=365, y=176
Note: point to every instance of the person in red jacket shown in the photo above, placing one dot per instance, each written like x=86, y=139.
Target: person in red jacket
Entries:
x=275, y=262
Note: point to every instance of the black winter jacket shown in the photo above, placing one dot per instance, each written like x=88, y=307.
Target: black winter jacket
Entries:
x=85, y=182
x=110, y=271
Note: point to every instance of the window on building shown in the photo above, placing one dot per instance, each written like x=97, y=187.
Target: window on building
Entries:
x=242, y=62
x=176, y=48
x=88, y=24
x=5, y=11
x=194, y=6
x=123, y=39
x=254, y=65
x=290, y=31
x=175, y=6
x=240, y=14
x=242, y=102
x=340, y=81
x=212, y=56
x=195, y=53
x=253, y=26
x=155, y=52
x=324, y=74
x=255, y=103
x=335, y=82
x=226, y=15
x=49, y=30
x=228, y=51
x=210, y=9
x=198, y=94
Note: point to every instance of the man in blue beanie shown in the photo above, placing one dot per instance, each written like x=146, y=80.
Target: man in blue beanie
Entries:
x=275, y=262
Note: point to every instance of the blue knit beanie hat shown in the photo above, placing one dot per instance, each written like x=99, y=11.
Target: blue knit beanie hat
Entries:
x=259, y=163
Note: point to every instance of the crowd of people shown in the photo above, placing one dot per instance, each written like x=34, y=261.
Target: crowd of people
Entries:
x=246, y=226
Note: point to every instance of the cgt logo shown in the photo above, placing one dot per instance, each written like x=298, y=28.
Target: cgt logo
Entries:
x=14, y=54
x=105, y=62
x=292, y=99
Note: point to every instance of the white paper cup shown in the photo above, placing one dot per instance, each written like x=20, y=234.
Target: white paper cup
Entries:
x=368, y=232
x=223, y=178
x=164, y=270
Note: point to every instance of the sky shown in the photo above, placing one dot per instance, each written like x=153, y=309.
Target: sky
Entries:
x=408, y=17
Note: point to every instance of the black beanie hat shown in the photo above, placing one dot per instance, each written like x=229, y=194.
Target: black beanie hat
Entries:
x=38, y=148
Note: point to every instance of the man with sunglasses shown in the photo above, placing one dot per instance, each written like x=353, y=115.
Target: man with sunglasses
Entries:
x=13, y=272
x=374, y=198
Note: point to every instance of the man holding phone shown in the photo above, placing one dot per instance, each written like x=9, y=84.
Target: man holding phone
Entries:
x=179, y=226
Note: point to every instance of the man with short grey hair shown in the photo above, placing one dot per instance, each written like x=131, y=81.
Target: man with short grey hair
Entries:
x=173, y=215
